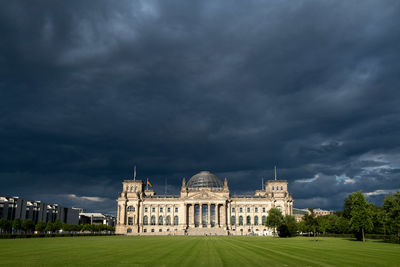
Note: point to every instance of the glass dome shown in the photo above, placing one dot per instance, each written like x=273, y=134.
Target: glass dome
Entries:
x=205, y=179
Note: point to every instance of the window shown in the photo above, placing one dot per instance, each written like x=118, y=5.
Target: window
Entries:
x=248, y=209
x=249, y=230
x=273, y=188
x=263, y=209
x=248, y=220
x=160, y=220
x=135, y=188
x=153, y=220
x=129, y=230
x=168, y=220
x=240, y=209
x=153, y=209
x=131, y=208
x=145, y=220
x=176, y=220
x=130, y=220
x=255, y=220
x=161, y=209
x=146, y=209
x=176, y=209
x=240, y=220
x=281, y=187
x=169, y=210
x=233, y=220
x=233, y=209
x=152, y=230
x=255, y=209
x=264, y=218
x=160, y=230
x=145, y=230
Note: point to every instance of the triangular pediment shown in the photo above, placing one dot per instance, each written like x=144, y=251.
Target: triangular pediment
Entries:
x=205, y=195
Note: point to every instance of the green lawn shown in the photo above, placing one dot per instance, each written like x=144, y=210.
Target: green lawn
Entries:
x=195, y=251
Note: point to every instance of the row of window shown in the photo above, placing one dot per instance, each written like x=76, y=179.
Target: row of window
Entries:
x=255, y=209
x=248, y=209
x=248, y=220
x=132, y=208
x=131, y=188
x=277, y=188
x=159, y=230
x=153, y=220
x=176, y=220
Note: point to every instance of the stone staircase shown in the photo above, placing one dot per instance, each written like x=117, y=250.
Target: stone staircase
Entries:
x=207, y=231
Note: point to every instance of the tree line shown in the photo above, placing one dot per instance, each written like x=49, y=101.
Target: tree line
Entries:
x=18, y=226
x=358, y=217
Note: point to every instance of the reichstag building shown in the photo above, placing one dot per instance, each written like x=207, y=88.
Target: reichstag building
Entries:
x=204, y=207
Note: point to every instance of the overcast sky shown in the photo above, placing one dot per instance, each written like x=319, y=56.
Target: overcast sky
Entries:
x=88, y=89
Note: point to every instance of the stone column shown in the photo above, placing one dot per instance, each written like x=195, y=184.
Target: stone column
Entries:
x=141, y=215
x=224, y=215
x=209, y=215
x=219, y=215
x=158, y=214
x=185, y=215
x=151, y=214
x=191, y=215
x=118, y=214
x=123, y=211
x=229, y=215
x=201, y=215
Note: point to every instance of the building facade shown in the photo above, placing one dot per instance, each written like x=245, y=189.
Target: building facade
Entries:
x=96, y=218
x=17, y=208
x=204, y=207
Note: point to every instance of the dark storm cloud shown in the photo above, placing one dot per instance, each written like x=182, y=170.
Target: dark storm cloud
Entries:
x=88, y=89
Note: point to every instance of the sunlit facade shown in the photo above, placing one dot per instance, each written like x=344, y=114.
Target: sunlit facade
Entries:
x=204, y=207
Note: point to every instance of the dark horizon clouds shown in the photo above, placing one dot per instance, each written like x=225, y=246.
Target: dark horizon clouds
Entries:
x=89, y=89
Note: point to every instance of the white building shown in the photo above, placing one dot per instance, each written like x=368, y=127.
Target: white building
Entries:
x=204, y=207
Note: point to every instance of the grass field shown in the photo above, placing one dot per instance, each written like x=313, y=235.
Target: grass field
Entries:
x=195, y=251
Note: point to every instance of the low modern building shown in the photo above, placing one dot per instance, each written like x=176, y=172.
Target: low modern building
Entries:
x=204, y=207
x=17, y=208
x=96, y=218
x=299, y=213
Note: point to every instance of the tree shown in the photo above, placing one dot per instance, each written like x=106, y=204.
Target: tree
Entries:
x=332, y=220
x=361, y=220
x=311, y=222
x=57, y=225
x=49, y=227
x=289, y=227
x=87, y=228
x=302, y=227
x=342, y=225
x=28, y=226
x=17, y=224
x=391, y=206
x=323, y=224
x=378, y=216
x=40, y=226
x=274, y=219
x=347, y=207
x=5, y=225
